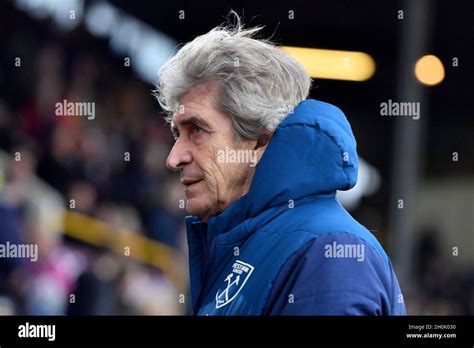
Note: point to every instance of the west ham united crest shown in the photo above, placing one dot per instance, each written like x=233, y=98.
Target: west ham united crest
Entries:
x=234, y=282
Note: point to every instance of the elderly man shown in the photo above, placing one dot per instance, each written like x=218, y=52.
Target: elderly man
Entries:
x=260, y=167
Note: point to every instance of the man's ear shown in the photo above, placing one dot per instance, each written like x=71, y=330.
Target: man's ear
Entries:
x=261, y=145
x=263, y=141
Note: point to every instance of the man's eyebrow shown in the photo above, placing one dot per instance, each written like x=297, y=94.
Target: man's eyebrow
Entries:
x=194, y=120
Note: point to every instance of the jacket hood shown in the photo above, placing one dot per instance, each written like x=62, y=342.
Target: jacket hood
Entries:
x=311, y=153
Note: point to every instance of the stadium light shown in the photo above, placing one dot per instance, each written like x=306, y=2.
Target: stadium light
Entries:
x=429, y=70
x=334, y=64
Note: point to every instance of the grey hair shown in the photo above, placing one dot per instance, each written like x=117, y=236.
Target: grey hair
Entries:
x=259, y=83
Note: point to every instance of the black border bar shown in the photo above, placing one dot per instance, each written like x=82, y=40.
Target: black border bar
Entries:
x=155, y=330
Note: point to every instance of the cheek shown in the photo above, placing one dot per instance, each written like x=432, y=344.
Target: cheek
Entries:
x=220, y=177
x=205, y=159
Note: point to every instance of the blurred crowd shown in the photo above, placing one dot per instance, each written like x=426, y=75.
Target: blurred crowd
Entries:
x=111, y=168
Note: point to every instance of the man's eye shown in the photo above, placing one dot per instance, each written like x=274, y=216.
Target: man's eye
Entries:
x=197, y=128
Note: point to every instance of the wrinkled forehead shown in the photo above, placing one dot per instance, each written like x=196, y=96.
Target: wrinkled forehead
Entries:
x=202, y=94
x=199, y=102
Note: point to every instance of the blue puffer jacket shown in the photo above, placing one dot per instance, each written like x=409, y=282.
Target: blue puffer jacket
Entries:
x=288, y=247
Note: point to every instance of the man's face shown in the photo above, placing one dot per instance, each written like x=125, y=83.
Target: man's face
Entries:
x=203, y=135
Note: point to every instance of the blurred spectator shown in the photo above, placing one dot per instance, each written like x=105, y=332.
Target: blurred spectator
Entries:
x=97, y=289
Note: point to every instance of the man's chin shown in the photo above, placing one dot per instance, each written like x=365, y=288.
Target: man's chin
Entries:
x=195, y=207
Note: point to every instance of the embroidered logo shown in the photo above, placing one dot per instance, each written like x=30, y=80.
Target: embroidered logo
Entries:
x=235, y=281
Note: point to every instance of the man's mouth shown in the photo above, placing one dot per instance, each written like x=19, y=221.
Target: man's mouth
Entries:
x=190, y=182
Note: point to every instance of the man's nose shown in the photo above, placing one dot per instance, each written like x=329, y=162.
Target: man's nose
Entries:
x=178, y=156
